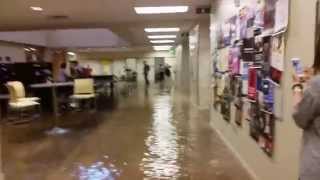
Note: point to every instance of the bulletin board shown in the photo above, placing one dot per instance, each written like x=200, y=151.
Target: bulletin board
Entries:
x=248, y=67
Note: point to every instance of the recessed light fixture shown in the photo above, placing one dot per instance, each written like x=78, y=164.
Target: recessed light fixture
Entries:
x=162, y=41
x=35, y=8
x=162, y=36
x=26, y=49
x=161, y=9
x=162, y=48
x=150, y=30
x=71, y=53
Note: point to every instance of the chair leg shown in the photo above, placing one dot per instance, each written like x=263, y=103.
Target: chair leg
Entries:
x=39, y=110
x=95, y=103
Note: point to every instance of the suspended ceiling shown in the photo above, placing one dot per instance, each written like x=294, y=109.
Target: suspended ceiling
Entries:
x=116, y=15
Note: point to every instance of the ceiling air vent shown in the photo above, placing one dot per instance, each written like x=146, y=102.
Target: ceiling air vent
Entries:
x=58, y=17
x=203, y=10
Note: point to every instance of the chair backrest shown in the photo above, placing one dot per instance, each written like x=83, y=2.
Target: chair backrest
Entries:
x=12, y=93
x=83, y=86
x=17, y=88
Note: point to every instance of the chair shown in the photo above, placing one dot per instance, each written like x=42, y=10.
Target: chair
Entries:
x=20, y=92
x=84, y=90
x=18, y=104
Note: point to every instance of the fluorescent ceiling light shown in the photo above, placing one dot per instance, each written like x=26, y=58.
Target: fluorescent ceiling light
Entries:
x=162, y=36
x=34, y=8
x=162, y=41
x=161, y=9
x=162, y=48
x=150, y=30
x=71, y=53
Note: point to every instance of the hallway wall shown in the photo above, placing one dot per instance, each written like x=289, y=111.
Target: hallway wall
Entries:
x=204, y=64
x=299, y=43
x=183, y=66
x=117, y=65
x=193, y=64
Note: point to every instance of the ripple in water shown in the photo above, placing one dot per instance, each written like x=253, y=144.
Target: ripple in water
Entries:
x=161, y=159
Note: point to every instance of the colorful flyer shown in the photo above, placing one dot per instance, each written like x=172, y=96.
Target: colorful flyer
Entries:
x=269, y=14
x=243, y=23
x=234, y=60
x=244, y=69
x=252, y=83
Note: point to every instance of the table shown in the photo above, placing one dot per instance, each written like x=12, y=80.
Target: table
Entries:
x=53, y=86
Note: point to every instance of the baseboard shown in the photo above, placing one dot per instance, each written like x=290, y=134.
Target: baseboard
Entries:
x=236, y=153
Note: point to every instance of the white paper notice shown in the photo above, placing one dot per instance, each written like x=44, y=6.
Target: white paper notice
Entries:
x=277, y=52
x=282, y=15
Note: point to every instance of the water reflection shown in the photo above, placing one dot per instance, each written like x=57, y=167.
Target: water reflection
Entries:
x=97, y=171
x=161, y=158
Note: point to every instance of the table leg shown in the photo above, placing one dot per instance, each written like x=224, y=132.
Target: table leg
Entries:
x=55, y=102
x=56, y=129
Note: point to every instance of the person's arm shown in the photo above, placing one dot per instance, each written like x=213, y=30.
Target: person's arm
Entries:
x=305, y=108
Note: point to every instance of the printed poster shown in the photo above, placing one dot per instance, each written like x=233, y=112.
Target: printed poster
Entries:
x=282, y=15
x=277, y=52
x=223, y=60
x=244, y=70
x=269, y=14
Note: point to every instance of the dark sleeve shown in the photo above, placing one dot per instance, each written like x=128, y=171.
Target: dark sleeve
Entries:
x=306, y=110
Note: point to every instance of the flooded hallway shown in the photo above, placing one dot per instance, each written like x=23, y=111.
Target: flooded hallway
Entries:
x=151, y=134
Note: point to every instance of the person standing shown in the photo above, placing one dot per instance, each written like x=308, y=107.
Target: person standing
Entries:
x=161, y=73
x=146, y=70
x=168, y=71
x=76, y=70
x=63, y=76
x=306, y=114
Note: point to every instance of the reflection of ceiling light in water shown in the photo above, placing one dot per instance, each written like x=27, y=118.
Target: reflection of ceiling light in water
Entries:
x=162, y=48
x=34, y=8
x=161, y=158
x=161, y=9
x=97, y=171
x=150, y=30
x=71, y=53
x=162, y=41
x=162, y=36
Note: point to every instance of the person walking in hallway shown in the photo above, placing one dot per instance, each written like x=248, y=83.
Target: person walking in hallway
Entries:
x=307, y=117
x=146, y=70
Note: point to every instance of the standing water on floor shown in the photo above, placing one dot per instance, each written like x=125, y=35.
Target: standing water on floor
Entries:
x=162, y=153
x=148, y=134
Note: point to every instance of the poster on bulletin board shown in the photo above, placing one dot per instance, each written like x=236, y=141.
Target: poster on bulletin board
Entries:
x=277, y=52
x=250, y=65
x=281, y=15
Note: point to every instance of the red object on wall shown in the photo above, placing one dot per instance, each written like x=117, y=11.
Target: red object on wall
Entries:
x=252, y=83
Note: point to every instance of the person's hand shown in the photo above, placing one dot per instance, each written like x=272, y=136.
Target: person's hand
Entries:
x=305, y=77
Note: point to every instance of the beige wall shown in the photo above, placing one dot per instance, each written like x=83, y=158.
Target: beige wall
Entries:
x=15, y=51
x=121, y=59
x=299, y=43
x=183, y=66
x=204, y=64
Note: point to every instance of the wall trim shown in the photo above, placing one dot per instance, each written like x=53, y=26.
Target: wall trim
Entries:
x=234, y=151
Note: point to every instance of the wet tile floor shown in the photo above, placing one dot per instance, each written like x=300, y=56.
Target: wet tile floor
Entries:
x=149, y=134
